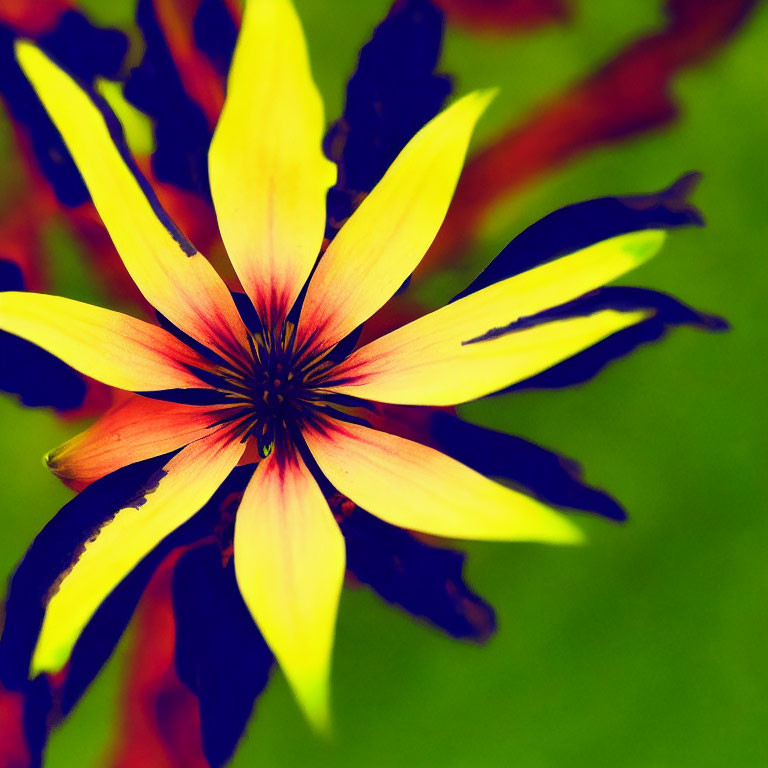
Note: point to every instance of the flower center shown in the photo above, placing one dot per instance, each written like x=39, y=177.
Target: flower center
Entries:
x=275, y=388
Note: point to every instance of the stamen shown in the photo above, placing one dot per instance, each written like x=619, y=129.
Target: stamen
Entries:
x=277, y=390
x=266, y=440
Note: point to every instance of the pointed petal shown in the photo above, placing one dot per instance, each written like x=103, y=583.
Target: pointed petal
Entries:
x=268, y=174
x=393, y=93
x=413, y=486
x=172, y=275
x=135, y=429
x=179, y=490
x=470, y=371
x=387, y=236
x=663, y=313
x=101, y=635
x=289, y=561
x=550, y=477
x=579, y=225
x=428, y=361
x=50, y=555
x=109, y=346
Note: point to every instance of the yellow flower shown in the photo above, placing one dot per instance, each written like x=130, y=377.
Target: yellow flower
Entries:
x=283, y=386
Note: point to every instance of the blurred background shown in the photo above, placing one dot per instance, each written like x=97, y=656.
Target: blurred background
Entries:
x=646, y=648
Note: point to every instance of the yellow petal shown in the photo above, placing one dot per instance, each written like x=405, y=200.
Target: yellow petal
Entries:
x=413, y=486
x=387, y=236
x=172, y=275
x=109, y=346
x=289, y=561
x=185, y=484
x=427, y=361
x=461, y=374
x=268, y=174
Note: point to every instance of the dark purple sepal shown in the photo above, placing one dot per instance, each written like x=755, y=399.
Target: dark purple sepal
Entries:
x=665, y=312
x=582, y=224
x=393, y=93
x=220, y=654
x=215, y=33
x=182, y=133
x=424, y=580
x=185, y=338
x=39, y=379
x=52, y=552
x=552, y=478
x=36, y=718
x=247, y=312
x=103, y=632
x=83, y=50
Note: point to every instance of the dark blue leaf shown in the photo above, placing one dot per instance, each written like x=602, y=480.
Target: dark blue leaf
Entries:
x=102, y=634
x=215, y=33
x=576, y=226
x=51, y=554
x=392, y=94
x=36, y=718
x=53, y=551
x=37, y=377
x=220, y=654
x=86, y=51
x=552, y=478
x=423, y=580
x=666, y=312
x=182, y=134
x=82, y=49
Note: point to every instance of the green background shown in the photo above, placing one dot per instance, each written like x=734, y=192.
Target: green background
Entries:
x=647, y=648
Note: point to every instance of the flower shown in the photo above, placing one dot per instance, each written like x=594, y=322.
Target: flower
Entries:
x=282, y=386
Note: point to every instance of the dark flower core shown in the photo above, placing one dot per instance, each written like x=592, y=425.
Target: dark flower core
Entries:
x=276, y=386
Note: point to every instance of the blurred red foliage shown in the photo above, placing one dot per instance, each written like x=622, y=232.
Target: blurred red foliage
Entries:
x=504, y=16
x=630, y=94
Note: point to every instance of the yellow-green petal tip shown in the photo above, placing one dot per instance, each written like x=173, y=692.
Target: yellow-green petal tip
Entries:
x=314, y=701
x=47, y=659
x=643, y=245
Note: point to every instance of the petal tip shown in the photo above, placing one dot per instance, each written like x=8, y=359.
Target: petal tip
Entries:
x=313, y=697
x=632, y=318
x=645, y=244
x=22, y=47
x=570, y=535
x=49, y=460
x=46, y=659
x=476, y=102
x=486, y=96
x=29, y=56
x=555, y=528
